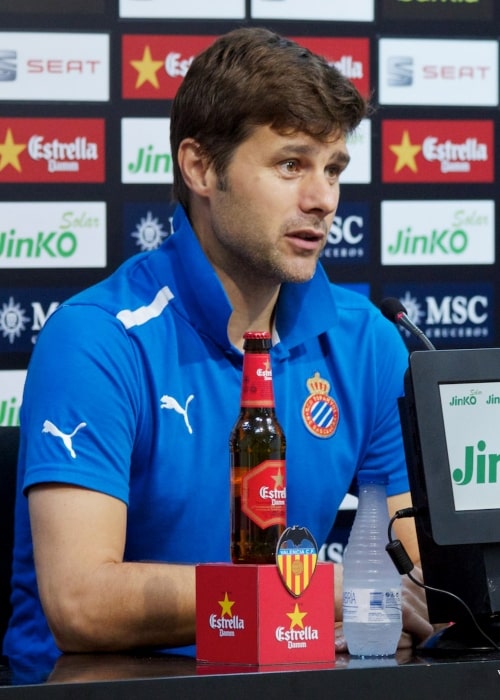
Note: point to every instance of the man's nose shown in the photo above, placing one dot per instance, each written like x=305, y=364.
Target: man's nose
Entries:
x=320, y=194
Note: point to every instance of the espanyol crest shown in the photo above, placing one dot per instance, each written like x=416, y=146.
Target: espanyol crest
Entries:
x=296, y=557
x=320, y=412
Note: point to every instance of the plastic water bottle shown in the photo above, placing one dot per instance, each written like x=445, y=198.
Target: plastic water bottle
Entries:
x=372, y=585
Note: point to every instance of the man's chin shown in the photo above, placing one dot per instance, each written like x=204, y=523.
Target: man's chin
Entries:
x=301, y=274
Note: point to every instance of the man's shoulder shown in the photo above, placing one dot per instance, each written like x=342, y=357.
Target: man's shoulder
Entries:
x=130, y=286
x=346, y=296
x=348, y=301
x=355, y=310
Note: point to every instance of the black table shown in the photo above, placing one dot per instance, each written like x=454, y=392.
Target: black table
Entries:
x=147, y=677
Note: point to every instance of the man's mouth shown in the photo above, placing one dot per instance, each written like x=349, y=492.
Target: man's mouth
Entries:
x=306, y=239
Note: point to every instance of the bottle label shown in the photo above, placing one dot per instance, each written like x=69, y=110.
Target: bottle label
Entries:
x=257, y=384
x=371, y=605
x=263, y=493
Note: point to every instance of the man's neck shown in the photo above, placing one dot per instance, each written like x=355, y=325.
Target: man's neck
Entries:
x=251, y=311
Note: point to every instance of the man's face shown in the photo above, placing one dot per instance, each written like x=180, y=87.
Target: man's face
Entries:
x=270, y=215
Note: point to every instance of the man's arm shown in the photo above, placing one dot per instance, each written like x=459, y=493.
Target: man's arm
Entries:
x=93, y=600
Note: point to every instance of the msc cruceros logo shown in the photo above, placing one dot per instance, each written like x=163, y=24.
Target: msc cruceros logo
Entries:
x=450, y=314
x=23, y=316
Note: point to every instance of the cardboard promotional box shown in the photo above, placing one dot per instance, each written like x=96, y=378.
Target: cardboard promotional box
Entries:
x=246, y=615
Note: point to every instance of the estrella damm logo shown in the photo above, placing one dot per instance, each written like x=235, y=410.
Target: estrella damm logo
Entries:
x=320, y=412
x=226, y=624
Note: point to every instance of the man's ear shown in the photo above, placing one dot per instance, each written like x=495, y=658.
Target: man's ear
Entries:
x=196, y=172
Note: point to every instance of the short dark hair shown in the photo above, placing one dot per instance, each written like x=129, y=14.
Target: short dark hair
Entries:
x=252, y=77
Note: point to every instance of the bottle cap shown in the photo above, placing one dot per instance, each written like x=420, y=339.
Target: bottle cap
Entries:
x=257, y=335
x=256, y=340
x=371, y=476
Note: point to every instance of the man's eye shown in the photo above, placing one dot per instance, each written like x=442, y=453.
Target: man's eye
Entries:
x=333, y=171
x=290, y=166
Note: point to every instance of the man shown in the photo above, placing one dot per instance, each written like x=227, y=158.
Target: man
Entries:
x=134, y=385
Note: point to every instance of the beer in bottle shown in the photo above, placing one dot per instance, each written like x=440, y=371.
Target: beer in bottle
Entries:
x=257, y=451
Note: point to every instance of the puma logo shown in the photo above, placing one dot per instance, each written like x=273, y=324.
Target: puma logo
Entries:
x=49, y=427
x=170, y=402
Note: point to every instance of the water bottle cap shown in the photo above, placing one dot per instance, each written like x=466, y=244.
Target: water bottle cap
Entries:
x=371, y=476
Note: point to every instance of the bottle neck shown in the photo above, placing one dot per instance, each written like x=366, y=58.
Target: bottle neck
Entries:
x=257, y=384
x=372, y=487
x=373, y=502
x=371, y=491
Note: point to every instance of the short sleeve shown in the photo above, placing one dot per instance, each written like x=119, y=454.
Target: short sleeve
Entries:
x=81, y=402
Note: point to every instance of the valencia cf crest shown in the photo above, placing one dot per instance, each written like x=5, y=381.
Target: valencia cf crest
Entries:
x=296, y=557
x=320, y=412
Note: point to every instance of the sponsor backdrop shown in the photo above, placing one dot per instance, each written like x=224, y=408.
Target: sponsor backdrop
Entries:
x=86, y=169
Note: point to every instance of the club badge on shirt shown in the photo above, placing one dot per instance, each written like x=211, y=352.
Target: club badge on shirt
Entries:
x=320, y=412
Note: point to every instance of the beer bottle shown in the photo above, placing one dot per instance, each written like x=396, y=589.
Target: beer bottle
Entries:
x=257, y=452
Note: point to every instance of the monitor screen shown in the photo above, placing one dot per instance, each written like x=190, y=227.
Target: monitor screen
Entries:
x=471, y=415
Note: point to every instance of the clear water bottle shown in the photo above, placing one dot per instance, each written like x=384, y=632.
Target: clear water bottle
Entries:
x=372, y=585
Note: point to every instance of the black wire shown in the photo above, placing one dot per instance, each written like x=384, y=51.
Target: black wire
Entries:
x=408, y=513
x=403, y=513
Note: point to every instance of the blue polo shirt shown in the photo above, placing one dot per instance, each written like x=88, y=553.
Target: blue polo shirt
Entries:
x=133, y=389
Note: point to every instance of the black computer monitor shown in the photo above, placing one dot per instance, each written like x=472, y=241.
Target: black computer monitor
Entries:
x=450, y=416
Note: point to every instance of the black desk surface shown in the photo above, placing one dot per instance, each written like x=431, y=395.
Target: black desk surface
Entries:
x=132, y=676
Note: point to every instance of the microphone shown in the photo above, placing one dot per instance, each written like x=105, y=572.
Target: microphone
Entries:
x=394, y=310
